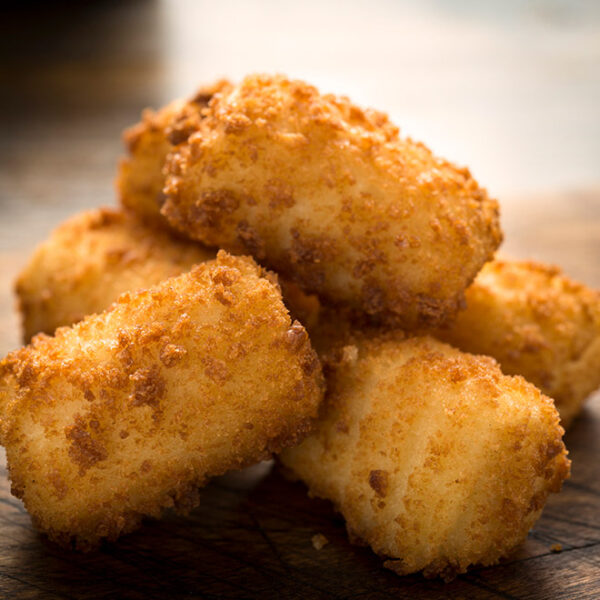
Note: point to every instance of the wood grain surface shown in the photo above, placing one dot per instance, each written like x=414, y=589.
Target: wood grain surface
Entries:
x=68, y=87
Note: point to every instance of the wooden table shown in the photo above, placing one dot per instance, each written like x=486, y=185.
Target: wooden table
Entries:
x=66, y=95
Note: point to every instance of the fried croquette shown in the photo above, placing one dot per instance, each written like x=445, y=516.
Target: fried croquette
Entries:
x=128, y=411
x=329, y=196
x=97, y=255
x=537, y=323
x=90, y=260
x=140, y=180
x=434, y=457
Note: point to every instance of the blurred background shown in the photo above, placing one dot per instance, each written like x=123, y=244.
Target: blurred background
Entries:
x=511, y=89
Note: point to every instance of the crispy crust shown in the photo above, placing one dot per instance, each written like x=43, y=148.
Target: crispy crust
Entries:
x=90, y=260
x=331, y=197
x=94, y=257
x=140, y=179
x=535, y=322
x=434, y=458
x=127, y=412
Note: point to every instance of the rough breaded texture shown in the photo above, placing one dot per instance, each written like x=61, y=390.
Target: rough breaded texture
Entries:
x=94, y=257
x=434, y=457
x=127, y=412
x=330, y=196
x=537, y=323
x=90, y=260
x=140, y=180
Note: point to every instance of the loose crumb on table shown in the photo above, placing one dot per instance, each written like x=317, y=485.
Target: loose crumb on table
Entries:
x=318, y=541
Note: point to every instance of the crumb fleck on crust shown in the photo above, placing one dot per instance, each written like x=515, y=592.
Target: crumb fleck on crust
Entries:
x=378, y=480
x=83, y=449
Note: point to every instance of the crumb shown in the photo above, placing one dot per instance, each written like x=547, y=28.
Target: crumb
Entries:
x=314, y=223
x=406, y=396
x=349, y=354
x=128, y=444
x=556, y=548
x=318, y=541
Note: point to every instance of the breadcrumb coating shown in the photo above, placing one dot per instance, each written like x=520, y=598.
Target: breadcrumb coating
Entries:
x=90, y=260
x=329, y=196
x=140, y=180
x=94, y=257
x=435, y=458
x=535, y=322
x=127, y=412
